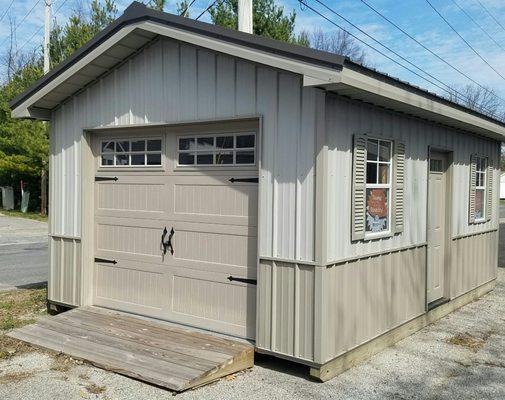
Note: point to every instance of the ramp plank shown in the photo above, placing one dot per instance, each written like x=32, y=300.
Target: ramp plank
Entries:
x=171, y=357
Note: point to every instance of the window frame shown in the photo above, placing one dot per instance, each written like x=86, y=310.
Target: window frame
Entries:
x=390, y=186
x=483, y=173
x=145, y=152
x=215, y=150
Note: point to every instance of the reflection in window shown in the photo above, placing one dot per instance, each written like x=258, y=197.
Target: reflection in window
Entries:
x=131, y=152
x=229, y=149
x=378, y=185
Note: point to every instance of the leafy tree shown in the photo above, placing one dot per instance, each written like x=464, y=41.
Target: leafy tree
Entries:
x=269, y=20
x=183, y=8
x=156, y=4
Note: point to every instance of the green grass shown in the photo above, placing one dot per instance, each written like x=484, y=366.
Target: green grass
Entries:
x=19, y=214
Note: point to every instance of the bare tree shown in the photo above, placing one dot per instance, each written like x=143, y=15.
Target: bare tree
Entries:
x=339, y=42
x=482, y=99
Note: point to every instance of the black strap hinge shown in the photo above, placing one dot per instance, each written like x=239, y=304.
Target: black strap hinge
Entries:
x=244, y=280
x=105, y=178
x=105, y=261
x=253, y=180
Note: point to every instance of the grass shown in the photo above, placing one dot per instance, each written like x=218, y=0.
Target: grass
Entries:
x=19, y=214
x=19, y=308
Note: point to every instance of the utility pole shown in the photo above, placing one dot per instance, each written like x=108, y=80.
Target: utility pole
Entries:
x=47, y=33
x=245, y=16
x=47, y=63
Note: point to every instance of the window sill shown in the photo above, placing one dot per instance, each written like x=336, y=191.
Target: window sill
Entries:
x=380, y=235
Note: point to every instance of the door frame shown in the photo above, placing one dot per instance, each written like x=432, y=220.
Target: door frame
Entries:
x=88, y=193
x=449, y=179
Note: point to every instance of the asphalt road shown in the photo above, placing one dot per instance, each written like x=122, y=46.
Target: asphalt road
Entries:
x=23, y=253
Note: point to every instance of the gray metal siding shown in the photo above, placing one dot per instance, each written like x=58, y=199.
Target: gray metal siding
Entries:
x=65, y=272
x=344, y=118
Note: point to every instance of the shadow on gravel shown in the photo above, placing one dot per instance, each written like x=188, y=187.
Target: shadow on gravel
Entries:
x=37, y=285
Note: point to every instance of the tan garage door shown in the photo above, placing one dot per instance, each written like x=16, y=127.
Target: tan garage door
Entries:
x=199, y=183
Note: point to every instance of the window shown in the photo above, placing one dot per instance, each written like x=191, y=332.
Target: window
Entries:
x=480, y=189
x=229, y=149
x=131, y=153
x=378, y=185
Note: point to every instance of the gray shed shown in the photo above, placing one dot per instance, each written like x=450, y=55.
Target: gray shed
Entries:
x=241, y=185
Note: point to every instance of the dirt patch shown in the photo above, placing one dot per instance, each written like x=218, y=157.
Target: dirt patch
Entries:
x=14, y=377
x=93, y=388
x=11, y=347
x=470, y=342
x=21, y=307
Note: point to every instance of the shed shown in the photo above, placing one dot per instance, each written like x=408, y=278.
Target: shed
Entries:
x=233, y=183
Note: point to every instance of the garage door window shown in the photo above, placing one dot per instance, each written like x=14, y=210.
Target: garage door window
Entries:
x=231, y=149
x=131, y=152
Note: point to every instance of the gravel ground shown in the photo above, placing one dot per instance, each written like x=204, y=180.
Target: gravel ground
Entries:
x=460, y=357
x=21, y=230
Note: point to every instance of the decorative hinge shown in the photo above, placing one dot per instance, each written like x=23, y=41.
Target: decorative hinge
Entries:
x=244, y=280
x=253, y=180
x=105, y=261
x=105, y=178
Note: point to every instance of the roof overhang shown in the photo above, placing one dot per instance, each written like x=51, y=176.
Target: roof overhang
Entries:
x=139, y=26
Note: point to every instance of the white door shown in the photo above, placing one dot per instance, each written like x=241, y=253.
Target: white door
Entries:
x=437, y=229
x=202, y=187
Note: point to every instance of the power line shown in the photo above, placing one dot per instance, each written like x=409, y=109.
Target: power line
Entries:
x=491, y=15
x=6, y=11
x=430, y=51
x=207, y=9
x=23, y=20
x=187, y=8
x=479, y=25
x=464, y=40
x=449, y=89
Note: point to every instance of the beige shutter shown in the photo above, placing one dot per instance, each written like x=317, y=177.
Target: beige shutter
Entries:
x=489, y=190
x=358, y=188
x=471, y=203
x=399, y=184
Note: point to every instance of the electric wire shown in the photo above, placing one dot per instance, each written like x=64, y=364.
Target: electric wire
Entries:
x=23, y=20
x=448, y=88
x=431, y=51
x=183, y=12
x=478, y=25
x=491, y=15
x=451, y=91
x=207, y=9
x=464, y=40
x=6, y=11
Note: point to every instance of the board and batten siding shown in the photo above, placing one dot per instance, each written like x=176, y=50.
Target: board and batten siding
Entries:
x=171, y=82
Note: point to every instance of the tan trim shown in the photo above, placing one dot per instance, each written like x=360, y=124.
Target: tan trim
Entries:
x=375, y=254
x=465, y=235
x=364, y=351
x=287, y=260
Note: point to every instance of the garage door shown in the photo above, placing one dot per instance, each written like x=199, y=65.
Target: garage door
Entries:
x=176, y=225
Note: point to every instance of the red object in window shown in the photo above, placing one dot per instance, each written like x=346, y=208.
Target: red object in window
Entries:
x=377, y=203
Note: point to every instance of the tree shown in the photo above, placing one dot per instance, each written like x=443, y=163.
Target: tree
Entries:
x=183, y=8
x=269, y=20
x=156, y=4
x=481, y=99
x=338, y=42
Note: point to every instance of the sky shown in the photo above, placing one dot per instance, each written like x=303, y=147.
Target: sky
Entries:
x=415, y=16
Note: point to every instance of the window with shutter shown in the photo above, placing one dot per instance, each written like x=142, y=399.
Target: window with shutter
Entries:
x=378, y=167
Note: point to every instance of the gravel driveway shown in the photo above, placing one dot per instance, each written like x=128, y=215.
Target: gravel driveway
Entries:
x=460, y=357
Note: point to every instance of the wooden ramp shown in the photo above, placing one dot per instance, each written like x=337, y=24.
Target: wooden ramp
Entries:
x=171, y=357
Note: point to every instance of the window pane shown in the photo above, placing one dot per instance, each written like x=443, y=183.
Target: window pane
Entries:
x=245, y=141
x=371, y=149
x=186, y=144
x=479, y=204
x=244, y=157
x=224, y=142
x=383, y=173
x=371, y=173
x=436, y=165
x=205, y=143
x=122, y=146
x=122, y=159
x=377, y=210
x=478, y=179
x=224, y=158
x=107, y=147
x=205, y=159
x=138, y=159
x=153, y=159
x=186, y=159
x=384, y=151
x=154, y=145
x=108, y=159
x=138, y=145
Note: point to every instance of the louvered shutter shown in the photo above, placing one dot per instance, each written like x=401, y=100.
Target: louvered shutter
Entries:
x=471, y=203
x=398, y=221
x=489, y=190
x=358, y=188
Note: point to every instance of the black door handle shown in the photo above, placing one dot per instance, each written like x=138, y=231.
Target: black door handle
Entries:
x=168, y=244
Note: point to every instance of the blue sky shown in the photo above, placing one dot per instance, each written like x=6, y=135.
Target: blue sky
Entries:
x=415, y=16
